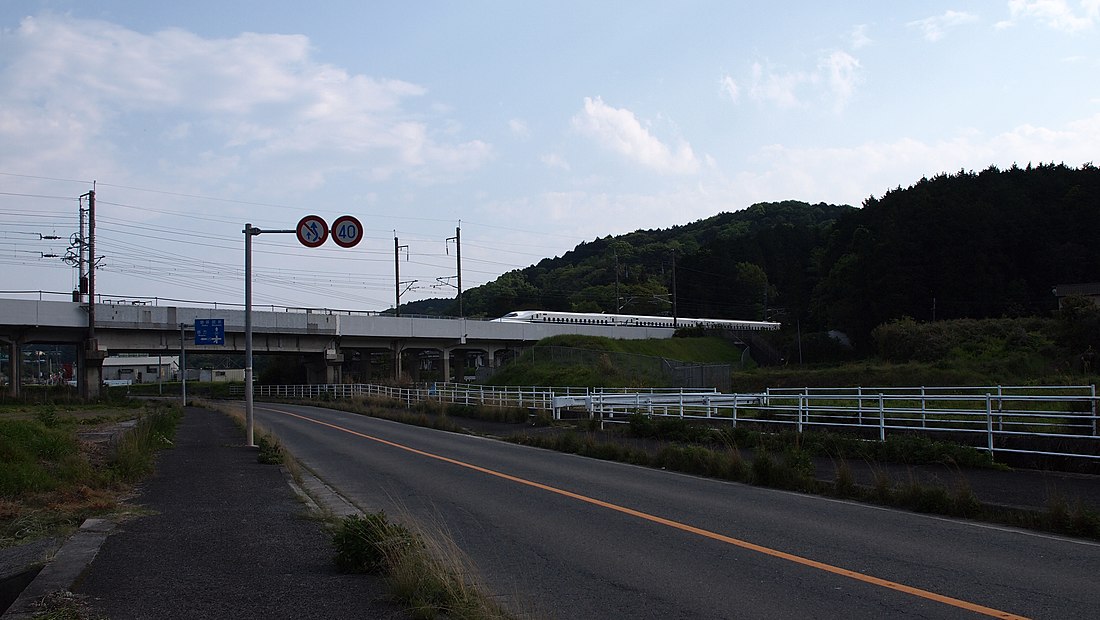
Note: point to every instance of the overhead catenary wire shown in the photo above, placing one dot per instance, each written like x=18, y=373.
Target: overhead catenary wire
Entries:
x=159, y=244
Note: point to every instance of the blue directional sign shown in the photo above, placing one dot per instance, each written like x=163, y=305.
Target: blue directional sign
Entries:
x=209, y=331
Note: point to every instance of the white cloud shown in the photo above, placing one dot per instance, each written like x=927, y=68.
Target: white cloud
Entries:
x=730, y=88
x=617, y=129
x=832, y=81
x=858, y=38
x=842, y=73
x=935, y=28
x=777, y=88
x=846, y=175
x=69, y=87
x=519, y=128
x=851, y=174
x=553, y=160
x=1056, y=14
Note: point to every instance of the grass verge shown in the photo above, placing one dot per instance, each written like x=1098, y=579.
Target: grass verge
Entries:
x=59, y=467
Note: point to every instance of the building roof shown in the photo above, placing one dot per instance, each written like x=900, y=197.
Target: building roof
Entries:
x=164, y=360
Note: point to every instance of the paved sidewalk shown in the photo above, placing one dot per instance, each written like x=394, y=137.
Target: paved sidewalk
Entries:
x=226, y=537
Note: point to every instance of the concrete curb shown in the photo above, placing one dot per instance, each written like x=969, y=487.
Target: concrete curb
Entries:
x=319, y=496
x=64, y=569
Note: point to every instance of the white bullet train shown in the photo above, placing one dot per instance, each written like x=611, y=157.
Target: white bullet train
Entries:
x=630, y=320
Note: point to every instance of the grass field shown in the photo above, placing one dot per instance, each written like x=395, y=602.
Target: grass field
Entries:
x=60, y=464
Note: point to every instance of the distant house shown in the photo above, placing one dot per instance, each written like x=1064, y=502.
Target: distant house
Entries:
x=221, y=375
x=141, y=369
x=1089, y=291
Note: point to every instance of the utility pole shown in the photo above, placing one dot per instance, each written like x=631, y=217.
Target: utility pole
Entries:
x=674, y=314
x=183, y=369
x=397, y=274
x=91, y=360
x=765, y=298
x=82, y=279
x=617, y=297
x=458, y=254
x=91, y=266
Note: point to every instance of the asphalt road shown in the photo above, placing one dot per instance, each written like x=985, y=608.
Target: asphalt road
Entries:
x=562, y=536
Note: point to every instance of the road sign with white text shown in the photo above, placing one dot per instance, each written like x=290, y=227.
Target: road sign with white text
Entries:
x=210, y=331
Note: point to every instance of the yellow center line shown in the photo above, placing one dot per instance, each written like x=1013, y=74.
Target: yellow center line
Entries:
x=829, y=568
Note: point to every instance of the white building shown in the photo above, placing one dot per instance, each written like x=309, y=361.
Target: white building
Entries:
x=141, y=369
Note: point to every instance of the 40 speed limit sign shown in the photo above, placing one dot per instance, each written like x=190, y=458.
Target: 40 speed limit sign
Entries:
x=347, y=232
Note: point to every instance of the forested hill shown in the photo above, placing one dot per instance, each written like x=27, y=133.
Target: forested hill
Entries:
x=720, y=263
x=967, y=245
x=972, y=245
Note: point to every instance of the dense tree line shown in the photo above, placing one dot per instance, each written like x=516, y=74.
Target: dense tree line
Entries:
x=965, y=245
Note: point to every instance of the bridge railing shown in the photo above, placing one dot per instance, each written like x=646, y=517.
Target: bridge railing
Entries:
x=1060, y=420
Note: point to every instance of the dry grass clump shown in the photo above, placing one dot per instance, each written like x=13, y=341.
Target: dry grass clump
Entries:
x=425, y=571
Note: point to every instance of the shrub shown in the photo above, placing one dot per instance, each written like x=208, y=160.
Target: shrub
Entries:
x=364, y=544
x=271, y=453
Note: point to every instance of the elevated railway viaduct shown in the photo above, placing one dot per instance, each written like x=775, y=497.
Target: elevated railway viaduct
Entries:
x=338, y=345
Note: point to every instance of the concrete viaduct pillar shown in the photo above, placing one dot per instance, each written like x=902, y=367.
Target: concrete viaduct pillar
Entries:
x=398, y=354
x=334, y=364
x=15, y=368
x=90, y=367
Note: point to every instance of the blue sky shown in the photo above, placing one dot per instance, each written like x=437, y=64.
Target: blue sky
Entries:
x=536, y=125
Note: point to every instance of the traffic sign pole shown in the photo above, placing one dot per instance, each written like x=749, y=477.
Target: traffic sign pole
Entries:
x=249, y=410
x=312, y=232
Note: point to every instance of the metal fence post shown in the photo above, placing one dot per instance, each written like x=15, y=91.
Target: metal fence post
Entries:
x=1093, y=409
x=923, y=408
x=881, y=418
x=1000, y=410
x=802, y=402
x=989, y=422
x=859, y=404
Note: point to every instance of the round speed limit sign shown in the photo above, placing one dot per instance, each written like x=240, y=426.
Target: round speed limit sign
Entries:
x=312, y=231
x=347, y=232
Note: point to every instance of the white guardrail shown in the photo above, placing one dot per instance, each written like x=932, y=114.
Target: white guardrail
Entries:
x=989, y=413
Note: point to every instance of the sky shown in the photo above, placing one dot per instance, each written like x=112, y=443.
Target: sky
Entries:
x=528, y=126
